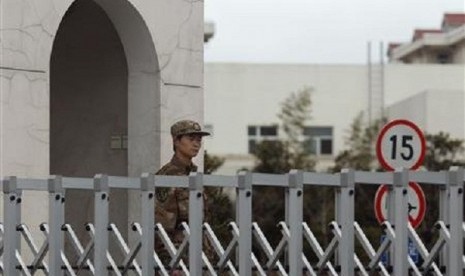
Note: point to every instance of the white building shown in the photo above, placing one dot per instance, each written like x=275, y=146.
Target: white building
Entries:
x=241, y=97
x=424, y=82
x=444, y=45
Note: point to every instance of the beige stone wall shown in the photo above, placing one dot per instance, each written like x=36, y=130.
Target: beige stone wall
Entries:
x=162, y=45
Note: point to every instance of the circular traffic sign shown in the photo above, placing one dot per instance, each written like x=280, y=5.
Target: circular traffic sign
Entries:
x=416, y=204
x=400, y=144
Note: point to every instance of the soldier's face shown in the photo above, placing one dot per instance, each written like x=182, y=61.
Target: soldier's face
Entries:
x=188, y=145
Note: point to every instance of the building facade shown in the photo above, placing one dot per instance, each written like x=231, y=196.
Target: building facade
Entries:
x=443, y=46
x=92, y=86
x=242, y=102
x=423, y=82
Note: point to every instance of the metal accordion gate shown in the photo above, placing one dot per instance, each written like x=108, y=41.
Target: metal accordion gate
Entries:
x=235, y=256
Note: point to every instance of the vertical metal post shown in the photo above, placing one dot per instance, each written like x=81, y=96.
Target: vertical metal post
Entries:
x=338, y=217
x=56, y=213
x=244, y=220
x=147, y=195
x=286, y=219
x=294, y=206
x=444, y=215
x=381, y=64
x=370, y=83
x=346, y=220
x=390, y=199
x=101, y=201
x=455, y=261
x=401, y=221
x=11, y=219
x=195, y=223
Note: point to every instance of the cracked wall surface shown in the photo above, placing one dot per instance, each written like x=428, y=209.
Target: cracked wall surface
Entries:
x=24, y=129
x=27, y=32
x=165, y=81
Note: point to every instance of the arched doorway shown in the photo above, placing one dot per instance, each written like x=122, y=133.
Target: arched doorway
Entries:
x=104, y=96
x=89, y=90
x=88, y=106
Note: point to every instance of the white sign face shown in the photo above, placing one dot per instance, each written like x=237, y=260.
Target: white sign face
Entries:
x=416, y=204
x=400, y=144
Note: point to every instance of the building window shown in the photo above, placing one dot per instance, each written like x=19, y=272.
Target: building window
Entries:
x=252, y=130
x=318, y=140
x=443, y=58
x=268, y=131
x=252, y=146
x=256, y=134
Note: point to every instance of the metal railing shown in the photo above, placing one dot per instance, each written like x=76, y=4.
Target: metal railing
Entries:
x=338, y=257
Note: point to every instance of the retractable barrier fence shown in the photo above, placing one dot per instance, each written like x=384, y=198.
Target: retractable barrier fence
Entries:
x=234, y=257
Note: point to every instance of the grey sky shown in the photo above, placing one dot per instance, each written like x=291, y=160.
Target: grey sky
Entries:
x=315, y=31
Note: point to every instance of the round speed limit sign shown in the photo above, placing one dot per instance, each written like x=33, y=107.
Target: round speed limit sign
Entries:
x=416, y=204
x=400, y=144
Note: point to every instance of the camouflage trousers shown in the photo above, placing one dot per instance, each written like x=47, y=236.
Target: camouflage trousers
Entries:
x=171, y=212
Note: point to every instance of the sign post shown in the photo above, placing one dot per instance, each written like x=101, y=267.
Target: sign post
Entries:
x=401, y=144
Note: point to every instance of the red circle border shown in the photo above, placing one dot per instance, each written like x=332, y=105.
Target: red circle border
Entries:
x=422, y=204
x=378, y=196
x=410, y=124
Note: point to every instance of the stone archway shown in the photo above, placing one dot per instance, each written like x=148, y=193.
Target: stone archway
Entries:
x=89, y=88
x=143, y=77
x=104, y=95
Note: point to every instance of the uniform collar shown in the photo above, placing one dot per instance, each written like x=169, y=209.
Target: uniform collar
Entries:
x=190, y=167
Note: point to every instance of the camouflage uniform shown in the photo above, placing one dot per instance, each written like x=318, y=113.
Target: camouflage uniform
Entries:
x=172, y=205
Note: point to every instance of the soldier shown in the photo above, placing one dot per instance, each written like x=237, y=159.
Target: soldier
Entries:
x=173, y=203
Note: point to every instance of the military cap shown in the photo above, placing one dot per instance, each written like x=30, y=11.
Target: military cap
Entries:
x=187, y=127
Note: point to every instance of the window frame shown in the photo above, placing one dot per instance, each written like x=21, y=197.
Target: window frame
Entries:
x=257, y=136
x=316, y=140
